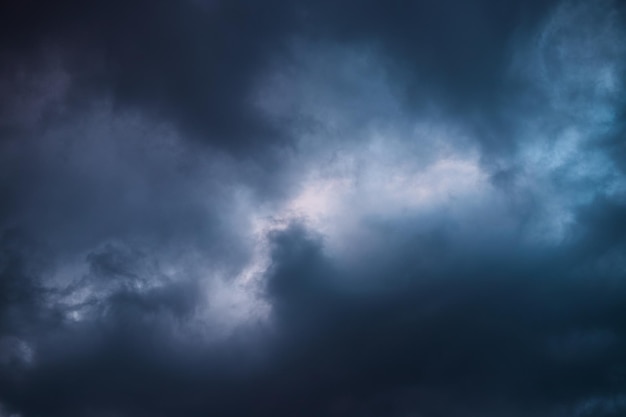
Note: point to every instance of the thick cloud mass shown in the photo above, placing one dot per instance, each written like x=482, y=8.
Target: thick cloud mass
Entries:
x=312, y=208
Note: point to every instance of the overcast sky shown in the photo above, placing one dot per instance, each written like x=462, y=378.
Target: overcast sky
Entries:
x=316, y=208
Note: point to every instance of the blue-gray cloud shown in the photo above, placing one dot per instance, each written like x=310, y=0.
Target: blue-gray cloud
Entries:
x=312, y=208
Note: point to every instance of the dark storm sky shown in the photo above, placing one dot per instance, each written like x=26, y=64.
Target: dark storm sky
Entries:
x=312, y=208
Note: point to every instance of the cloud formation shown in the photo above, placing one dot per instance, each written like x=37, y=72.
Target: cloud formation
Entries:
x=405, y=208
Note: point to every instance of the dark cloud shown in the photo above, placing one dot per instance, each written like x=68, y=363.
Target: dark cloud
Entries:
x=445, y=47
x=480, y=331
x=400, y=208
x=194, y=63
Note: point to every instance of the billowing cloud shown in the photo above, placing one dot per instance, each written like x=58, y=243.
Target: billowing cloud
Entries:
x=312, y=208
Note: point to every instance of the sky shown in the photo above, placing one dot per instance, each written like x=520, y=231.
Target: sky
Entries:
x=399, y=208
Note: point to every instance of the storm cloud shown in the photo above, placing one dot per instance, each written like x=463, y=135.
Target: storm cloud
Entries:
x=313, y=208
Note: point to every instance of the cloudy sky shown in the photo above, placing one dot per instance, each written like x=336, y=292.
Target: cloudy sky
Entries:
x=317, y=208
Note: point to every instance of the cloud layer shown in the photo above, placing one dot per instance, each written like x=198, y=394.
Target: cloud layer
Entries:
x=400, y=208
